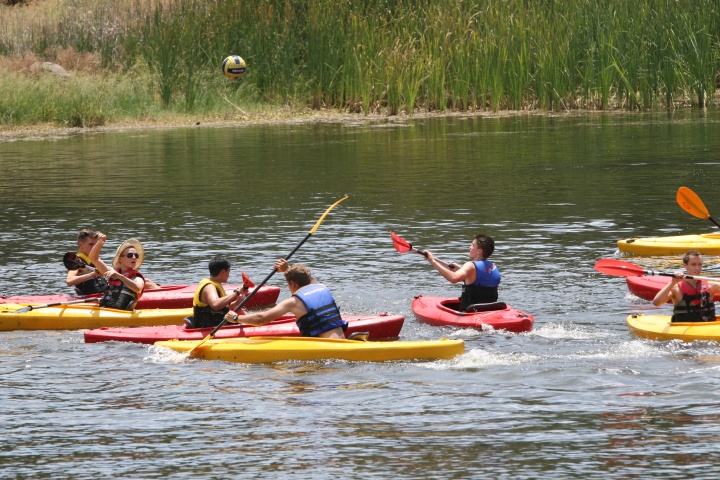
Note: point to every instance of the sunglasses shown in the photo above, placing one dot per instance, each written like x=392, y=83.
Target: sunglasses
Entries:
x=131, y=255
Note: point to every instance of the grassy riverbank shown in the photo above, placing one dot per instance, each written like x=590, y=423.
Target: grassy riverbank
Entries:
x=159, y=60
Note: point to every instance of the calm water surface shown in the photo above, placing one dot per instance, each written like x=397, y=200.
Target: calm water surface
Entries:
x=579, y=396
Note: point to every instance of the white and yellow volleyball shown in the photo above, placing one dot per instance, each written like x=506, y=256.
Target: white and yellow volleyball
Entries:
x=233, y=66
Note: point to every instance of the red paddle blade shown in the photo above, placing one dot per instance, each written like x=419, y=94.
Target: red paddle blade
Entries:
x=400, y=244
x=691, y=203
x=246, y=281
x=618, y=268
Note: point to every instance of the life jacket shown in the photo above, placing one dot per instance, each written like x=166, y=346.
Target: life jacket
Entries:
x=94, y=285
x=322, y=312
x=696, y=304
x=484, y=288
x=204, y=316
x=118, y=295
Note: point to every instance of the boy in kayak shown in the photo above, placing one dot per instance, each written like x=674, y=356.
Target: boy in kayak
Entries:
x=86, y=280
x=125, y=282
x=480, y=276
x=313, y=305
x=692, y=298
x=211, y=303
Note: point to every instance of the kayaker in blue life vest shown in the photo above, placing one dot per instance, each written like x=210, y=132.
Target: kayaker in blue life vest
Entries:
x=480, y=276
x=211, y=303
x=692, y=298
x=314, y=307
x=86, y=280
x=125, y=282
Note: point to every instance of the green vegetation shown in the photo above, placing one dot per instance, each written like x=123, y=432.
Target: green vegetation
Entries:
x=152, y=58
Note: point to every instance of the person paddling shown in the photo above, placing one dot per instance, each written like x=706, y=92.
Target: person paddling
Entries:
x=211, y=303
x=86, y=280
x=125, y=282
x=314, y=307
x=480, y=276
x=692, y=298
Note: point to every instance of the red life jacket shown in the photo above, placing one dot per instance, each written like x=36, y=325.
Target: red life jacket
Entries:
x=696, y=304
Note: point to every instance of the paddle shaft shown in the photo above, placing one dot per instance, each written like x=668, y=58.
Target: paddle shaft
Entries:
x=424, y=254
x=317, y=225
x=74, y=302
x=619, y=268
x=689, y=277
x=257, y=287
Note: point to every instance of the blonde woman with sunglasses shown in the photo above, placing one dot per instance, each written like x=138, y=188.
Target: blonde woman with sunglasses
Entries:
x=125, y=282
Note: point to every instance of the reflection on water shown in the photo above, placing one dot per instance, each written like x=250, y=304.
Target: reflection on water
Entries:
x=577, y=396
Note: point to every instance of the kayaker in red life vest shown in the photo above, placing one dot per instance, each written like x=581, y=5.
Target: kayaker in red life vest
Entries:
x=211, y=303
x=125, y=282
x=692, y=298
x=86, y=280
x=480, y=276
x=313, y=305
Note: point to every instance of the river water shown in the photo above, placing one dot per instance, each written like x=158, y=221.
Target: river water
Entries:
x=579, y=396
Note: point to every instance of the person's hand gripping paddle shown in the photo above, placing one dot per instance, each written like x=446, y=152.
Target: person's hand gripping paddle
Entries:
x=403, y=246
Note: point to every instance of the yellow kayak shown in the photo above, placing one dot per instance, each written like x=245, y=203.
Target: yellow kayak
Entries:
x=659, y=327
x=705, y=243
x=280, y=349
x=72, y=317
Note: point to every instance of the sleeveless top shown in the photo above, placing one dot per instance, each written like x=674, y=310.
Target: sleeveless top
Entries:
x=484, y=288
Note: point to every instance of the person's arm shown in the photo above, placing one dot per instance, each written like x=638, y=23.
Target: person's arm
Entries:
x=94, y=255
x=209, y=296
x=669, y=291
x=452, y=276
x=714, y=288
x=74, y=277
x=261, y=318
x=134, y=283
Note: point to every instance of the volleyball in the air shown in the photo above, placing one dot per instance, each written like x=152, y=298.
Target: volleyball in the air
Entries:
x=233, y=66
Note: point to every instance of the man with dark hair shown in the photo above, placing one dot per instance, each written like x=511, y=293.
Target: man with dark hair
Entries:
x=314, y=307
x=480, y=276
x=211, y=304
x=86, y=280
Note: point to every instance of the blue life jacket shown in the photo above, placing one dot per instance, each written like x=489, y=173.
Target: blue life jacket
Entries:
x=322, y=312
x=484, y=288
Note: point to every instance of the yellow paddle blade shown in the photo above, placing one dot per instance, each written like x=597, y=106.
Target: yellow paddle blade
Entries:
x=691, y=203
x=207, y=337
x=325, y=214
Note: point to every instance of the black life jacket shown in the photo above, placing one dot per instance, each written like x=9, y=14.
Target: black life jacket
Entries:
x=696, y=304
x=118, y=295
x=94, y=285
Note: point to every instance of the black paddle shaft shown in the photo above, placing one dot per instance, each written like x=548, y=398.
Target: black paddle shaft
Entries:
x=257, y=287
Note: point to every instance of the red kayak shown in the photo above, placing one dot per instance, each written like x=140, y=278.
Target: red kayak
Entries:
x=440, y=311
x=647, y=287
x=167, y=296
x=379, y=327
